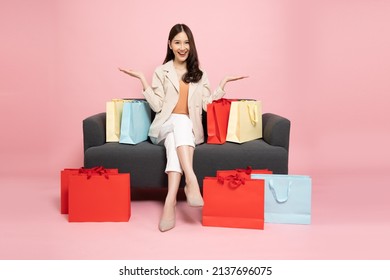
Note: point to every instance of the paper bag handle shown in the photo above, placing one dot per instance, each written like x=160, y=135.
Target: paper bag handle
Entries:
x=279, y=200
x=253, y=113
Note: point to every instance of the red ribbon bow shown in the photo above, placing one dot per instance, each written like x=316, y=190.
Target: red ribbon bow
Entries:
x=234, y=180
x=248, y=170
x=98, y=170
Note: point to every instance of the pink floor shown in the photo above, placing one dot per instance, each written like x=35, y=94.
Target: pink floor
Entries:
x=350, y=220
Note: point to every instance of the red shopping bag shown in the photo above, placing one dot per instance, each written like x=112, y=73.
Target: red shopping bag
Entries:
x=99, y=198
x=73, y=171
x=246, y=173
x=233, y=201
x=217, y=121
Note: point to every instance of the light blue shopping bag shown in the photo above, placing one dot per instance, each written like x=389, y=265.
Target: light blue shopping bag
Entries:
x=136, y=120
x=287, y=198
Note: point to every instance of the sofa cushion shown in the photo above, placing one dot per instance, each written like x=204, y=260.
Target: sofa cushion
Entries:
x=258, y=154
x=145, y=161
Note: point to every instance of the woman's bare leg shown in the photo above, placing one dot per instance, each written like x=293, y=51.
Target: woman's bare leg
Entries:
x=192, y=191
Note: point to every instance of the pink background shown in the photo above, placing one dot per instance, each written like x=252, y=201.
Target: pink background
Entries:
x=323, y=64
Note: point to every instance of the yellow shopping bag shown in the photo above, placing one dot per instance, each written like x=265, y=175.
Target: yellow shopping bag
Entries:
x=114, y=110
x=245, y=121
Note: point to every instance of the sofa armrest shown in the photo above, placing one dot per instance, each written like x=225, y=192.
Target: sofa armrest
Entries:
x=276, y=130
x=94, y=130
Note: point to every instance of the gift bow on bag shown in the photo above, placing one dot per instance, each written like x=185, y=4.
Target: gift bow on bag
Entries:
x=99, y=170
x=248, y=170
x=234, y=180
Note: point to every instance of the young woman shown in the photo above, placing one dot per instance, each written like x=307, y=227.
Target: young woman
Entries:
x=178, y=94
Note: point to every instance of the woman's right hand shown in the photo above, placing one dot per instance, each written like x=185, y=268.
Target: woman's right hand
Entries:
x=133, y=73
x=136, y=74
x=228, y=79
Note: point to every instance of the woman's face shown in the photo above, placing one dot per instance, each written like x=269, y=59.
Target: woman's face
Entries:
x=180, y=46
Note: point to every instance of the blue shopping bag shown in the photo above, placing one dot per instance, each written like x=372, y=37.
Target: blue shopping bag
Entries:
x=136, y=120
x=287, y=198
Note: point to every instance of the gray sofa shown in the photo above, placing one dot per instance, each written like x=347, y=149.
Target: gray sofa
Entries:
x=146, y=162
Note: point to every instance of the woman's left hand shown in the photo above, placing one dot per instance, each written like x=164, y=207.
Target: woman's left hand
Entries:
x=230, y=79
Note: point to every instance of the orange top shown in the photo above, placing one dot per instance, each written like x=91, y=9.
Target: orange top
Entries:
x=182, y=103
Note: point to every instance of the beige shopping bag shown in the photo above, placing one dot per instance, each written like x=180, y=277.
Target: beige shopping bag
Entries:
x=113, y=119
x=245, y=121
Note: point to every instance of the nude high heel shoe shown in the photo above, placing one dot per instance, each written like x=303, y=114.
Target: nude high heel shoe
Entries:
x=193, y=201
x=166, y=225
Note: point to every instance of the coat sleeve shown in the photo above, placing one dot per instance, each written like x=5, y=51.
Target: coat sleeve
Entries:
x=155, y=94
x=209, y=96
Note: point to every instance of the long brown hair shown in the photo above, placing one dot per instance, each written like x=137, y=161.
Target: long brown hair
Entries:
x=194, y=74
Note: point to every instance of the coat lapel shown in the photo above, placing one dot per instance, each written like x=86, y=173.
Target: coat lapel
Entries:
x=172, y=77
x=191, y=90
x=171, y=74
